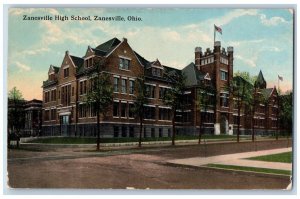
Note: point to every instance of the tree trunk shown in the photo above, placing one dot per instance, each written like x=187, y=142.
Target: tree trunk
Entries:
x=239, y=122
x=173, y=124
x=141, y=129
x=253, y=133
x=98, y=131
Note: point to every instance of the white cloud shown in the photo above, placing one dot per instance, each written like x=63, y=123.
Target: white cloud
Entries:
x=36, y=51
x=250, y=62
x=22, y=67
x=273, y=21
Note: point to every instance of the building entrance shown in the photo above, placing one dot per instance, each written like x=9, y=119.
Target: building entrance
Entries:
x=64, y=124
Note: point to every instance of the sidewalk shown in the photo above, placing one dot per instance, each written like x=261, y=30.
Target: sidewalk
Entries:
x=238, y=159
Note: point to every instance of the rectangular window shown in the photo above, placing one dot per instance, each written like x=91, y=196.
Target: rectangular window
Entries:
x=53, y=114
x=149, y=112
x=160, y=134
x=84, y=87
x=224, y=75
x=46, y=118
x=116, y=109
x=224, y=99
x=82, y=110
x=131, y=110
x=150, y=91
x=66, y=72
x=131, y=86
x=164, y=114
x=162, y=92
x=116, y=84
x=116, y=131
x=124, y=131
x=81, y=88
x=124, y=64
x=131, y=131
x=153, y=132
x=123, y=109
x=124, y=86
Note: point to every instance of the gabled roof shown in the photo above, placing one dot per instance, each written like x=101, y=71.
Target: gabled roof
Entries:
x=260, y=81
x=267, y=92
x=54, y=68
x=193, y=75
x=99, y=52
x=141, y=59
x=77, y=61
x=108, y=46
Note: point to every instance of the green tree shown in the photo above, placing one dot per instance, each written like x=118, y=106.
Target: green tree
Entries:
x=174, y=96
x=286, y=112
x=16, y=114
x=140, y=101
x=241, y=91
x=100, y=94
x=206, y=96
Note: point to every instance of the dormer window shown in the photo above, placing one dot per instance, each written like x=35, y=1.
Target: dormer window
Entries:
x=89, y=62
x=156, y=72
x=66, y=72
x=52, y=76
x=124, y=64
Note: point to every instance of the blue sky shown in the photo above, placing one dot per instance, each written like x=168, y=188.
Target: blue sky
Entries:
x=262, y=39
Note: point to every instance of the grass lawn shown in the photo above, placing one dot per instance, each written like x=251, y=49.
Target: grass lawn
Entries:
x=78, y=140
x=281, y=157
x=253, y=169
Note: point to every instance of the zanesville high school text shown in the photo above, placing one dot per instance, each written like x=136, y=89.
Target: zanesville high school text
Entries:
x=80, y=18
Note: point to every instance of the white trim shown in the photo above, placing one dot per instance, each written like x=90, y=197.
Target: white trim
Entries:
x=159, y=67
x=124, y=77
x=66, y=84
x=117, y=76
x=66, y=66
x=114, y=49
x=187, y=92
x=165, y=107
x=116, y=100
x=150, y=84
x=124, y=57
x=124, y=102
x=150, y=105
x=130, y=78
x=162, y=86
x=82, y=79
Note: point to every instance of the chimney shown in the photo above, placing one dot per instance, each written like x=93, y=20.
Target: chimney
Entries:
x=198, y=53
x=67, y=52
x=217, y=46
x=124, y=39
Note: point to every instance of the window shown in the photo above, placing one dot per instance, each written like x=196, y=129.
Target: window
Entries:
x=164, y=114
x=116, y=84
x=53, y=114
x=131, y=131
x=82, y=110
x=124, y=86
x=162, y=92
x=235, y=119
x=207, y=117
x=160, y=134
x=224, y=99
x=131, y=86
x=156, y=72
x=53, y=95
x=47, y=96
x=66, y=72
x=150, y=91
x=124, y=131
x=116, y=131
x=89, y=62
x=224, y=75
x=131, y=110
x=149, y=112
x=116, y=109
x=82, y=87
x=152, y=132
x=123, y=109
x=46, y=117
x=186, y=116
x=124, y=64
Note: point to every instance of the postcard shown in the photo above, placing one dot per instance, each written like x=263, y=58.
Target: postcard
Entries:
x=148, y=98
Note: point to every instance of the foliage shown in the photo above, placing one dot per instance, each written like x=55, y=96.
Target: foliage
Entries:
x=100, y=95
x=206, y=98
x=246, y=76
x=140, y=101
x=174, y=96
x=286, y=111
x=16, y=114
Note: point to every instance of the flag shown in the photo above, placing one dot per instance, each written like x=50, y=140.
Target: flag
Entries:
x=218, y=29
x=280, y=78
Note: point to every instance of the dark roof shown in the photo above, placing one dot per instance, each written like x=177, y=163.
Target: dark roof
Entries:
x=193, y=75
x=260, y=81
x=99, y=52
x=267, y=92
x=108, y=46
x=142, y=60
x=77, y=61
x=56, y=69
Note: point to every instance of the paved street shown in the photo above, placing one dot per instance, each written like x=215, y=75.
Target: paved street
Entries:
x=43, y=166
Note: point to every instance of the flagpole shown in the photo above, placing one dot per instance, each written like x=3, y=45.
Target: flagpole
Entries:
x=214, y=35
